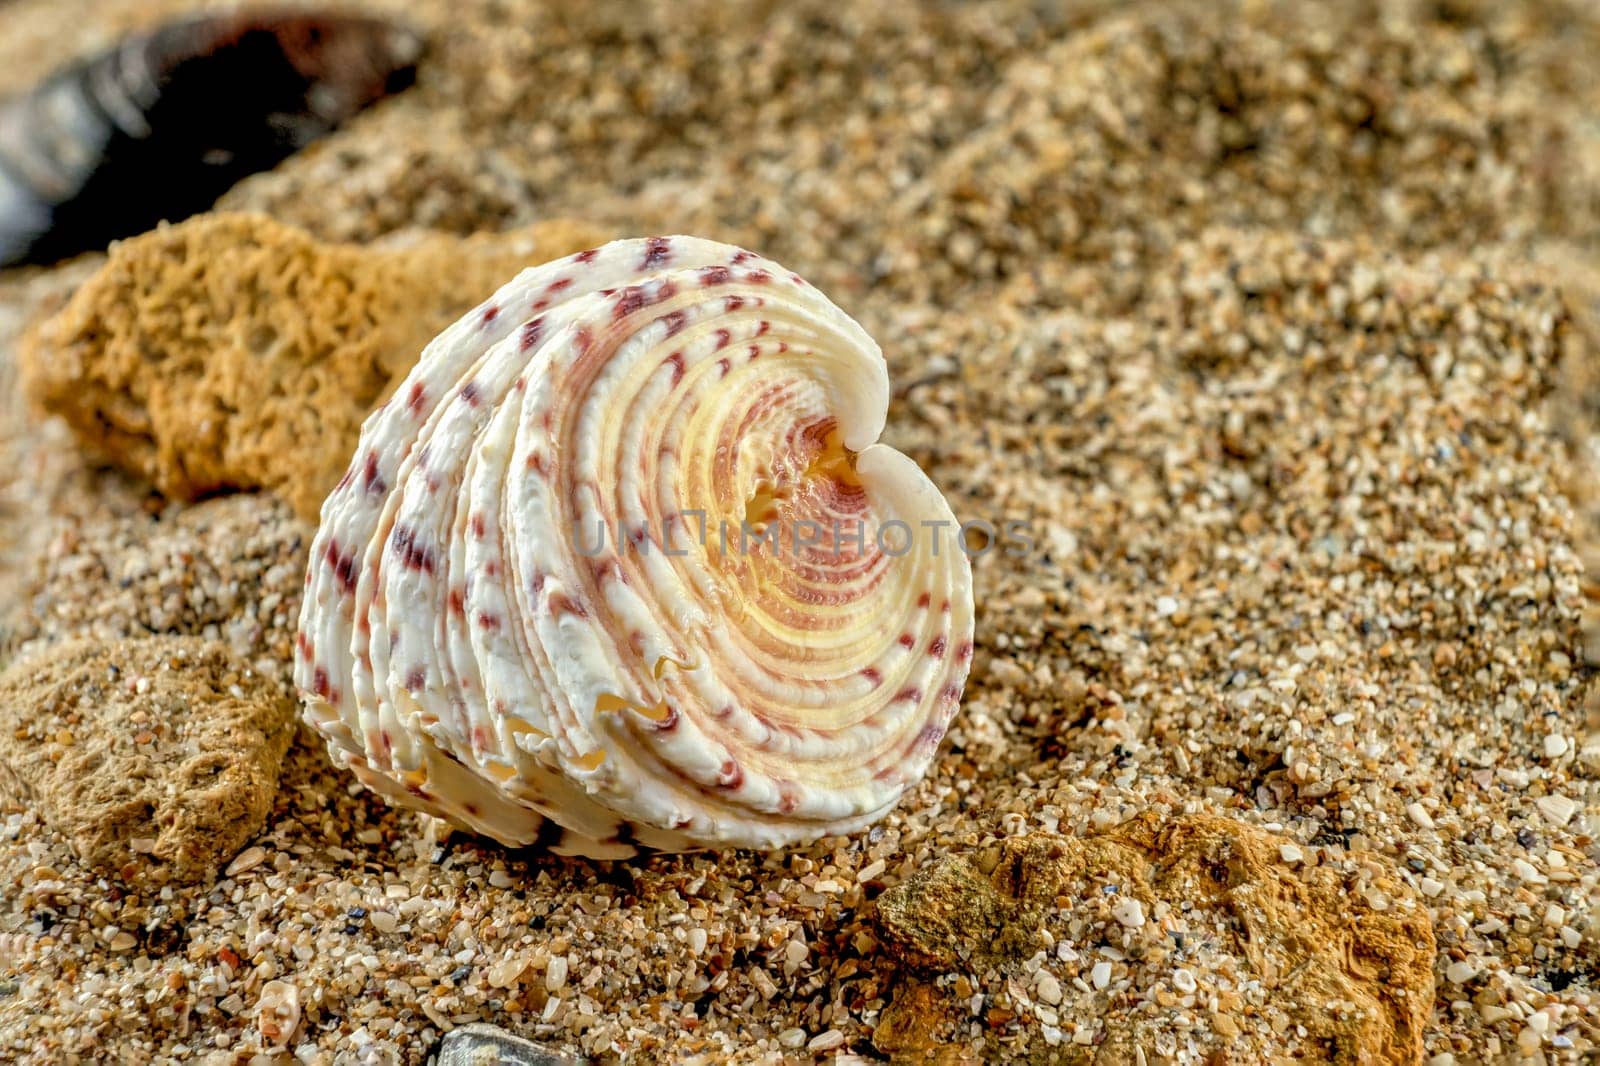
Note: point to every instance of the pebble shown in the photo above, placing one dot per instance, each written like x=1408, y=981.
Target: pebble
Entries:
x=827, y=1041
x=248, y=859
x=1129, y=912
x=1100, y=975
x=1557, y=809
x=795, y=953
x=278, y=1012
x=503, y=974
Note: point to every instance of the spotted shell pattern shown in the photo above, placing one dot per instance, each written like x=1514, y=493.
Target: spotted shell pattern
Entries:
x=535, y=605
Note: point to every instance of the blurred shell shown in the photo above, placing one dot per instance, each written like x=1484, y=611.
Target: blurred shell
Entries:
x=481, y=1044
x=161, y=125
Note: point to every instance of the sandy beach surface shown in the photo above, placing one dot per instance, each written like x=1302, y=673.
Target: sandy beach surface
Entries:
x=1274, y=325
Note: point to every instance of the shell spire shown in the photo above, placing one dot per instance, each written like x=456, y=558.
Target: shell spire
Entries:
x=622, y=565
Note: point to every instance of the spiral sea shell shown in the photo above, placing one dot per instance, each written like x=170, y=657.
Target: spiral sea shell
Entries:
x=621, y=566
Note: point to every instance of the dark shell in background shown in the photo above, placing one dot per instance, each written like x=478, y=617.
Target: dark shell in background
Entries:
x=163, y=124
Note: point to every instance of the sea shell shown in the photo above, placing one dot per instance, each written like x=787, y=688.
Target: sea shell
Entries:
x=165, y=122
x=563, y=595
x=482, y=1044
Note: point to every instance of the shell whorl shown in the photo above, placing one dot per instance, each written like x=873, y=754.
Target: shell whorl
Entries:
x=621, y=564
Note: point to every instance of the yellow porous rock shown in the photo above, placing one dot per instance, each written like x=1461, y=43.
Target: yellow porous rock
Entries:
x=232, y=352
x=1277, y=954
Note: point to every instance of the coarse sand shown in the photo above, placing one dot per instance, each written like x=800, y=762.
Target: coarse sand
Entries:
x=1274, y=325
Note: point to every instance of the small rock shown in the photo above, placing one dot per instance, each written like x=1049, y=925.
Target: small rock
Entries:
x=763, y=982
x=941, y=917
x=1556, y=809
x=1129, y=912
x=1460, y=972
x=920, y=1019
x=1323, y=918
x=555, y=977
x=504, y=974
x=827, y=1041
x=278, y=1012
x=1047, y=987
x=1290, y=853
x=1494, y=1013
x=172, y=740
x=248, y=859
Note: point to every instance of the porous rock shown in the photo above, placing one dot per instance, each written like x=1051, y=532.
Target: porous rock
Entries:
x=232, y=352
x=1353, y=966
x=156, y=758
